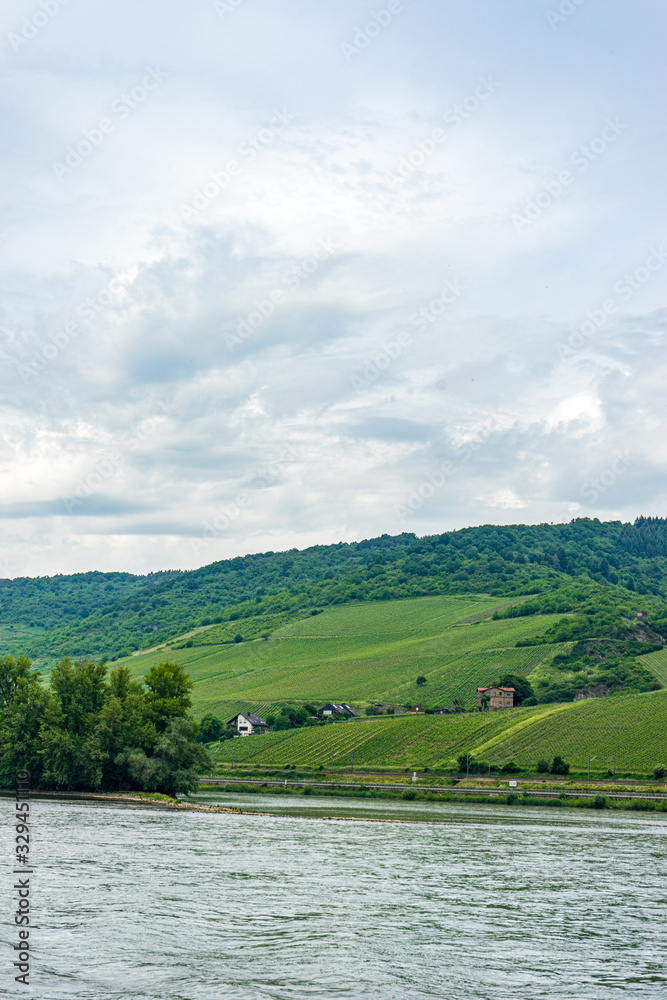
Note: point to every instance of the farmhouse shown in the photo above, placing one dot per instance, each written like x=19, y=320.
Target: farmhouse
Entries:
x=417, y=710
x=247, y=723
x=339, y=710
x=498, y=697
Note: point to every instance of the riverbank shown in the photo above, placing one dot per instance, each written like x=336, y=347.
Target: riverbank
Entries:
x=470, y=796
x=562, y=799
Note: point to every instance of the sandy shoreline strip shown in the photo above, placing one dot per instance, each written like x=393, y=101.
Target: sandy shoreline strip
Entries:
x=135, y=800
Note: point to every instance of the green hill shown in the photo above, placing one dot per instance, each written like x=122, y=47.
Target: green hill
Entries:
x=111, y=615
x=631, y=728
x=370, y=652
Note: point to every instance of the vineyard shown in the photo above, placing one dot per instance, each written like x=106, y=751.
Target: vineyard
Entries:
x=365, y=652
x=657, y=664
x=630, y=728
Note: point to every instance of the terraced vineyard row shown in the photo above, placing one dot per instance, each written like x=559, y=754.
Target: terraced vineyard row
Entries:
x=657, y=664
x=359, y=653
x=631, y=728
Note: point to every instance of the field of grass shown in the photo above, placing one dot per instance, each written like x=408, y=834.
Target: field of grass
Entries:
x=363, y=653
x=631, y=728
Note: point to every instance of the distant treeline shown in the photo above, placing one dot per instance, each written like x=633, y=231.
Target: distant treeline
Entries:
x=112, y=615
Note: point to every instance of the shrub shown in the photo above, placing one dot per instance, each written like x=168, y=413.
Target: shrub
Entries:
x=421, y=680
x=542, y=767
x=308, y=790
x=529, y=702
x=238, y=638
x=510, y=768
x=600, y=802
x=511, y=798
x=659, y=772
x=409, y=794
x=642, y=805
x=558, y=766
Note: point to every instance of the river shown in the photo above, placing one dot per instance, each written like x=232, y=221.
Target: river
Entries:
x=467, y=901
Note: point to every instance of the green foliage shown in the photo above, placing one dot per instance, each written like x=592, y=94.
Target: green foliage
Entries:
x=558, y=766
x=660, y=772
x=23, y=707
x=109, y=614
x=421, y=680
x=211, y=728
x=168, y=693
x=90, y=732
x=522, y=687
x=175, y=763
x=542, y=767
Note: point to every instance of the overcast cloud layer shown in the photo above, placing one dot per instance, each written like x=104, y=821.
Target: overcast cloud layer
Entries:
x=280, y=273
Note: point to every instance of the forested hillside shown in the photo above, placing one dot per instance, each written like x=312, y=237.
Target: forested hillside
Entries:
x=111, y=615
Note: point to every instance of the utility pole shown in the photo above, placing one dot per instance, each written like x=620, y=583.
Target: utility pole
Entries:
x=467, y=765
x=589, y=766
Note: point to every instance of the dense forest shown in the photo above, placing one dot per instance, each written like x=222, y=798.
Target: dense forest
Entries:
x=112, y=615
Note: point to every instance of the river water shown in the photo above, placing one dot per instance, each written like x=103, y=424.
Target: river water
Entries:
x=467, y=901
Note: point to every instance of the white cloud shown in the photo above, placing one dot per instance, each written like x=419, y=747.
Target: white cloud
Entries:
x=146, y=406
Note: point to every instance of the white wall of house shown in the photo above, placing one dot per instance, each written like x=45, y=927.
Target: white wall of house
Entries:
x=244, y=726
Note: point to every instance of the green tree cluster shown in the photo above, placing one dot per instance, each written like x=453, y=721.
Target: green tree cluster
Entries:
x=90, y=731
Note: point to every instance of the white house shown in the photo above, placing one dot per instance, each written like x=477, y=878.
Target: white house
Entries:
x=247, y=723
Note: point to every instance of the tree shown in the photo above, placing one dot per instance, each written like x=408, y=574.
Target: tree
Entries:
x=558, y=766
x=11, y=673
x=522, y=687
x=168, y=693
x=421, y=680
x=71, y=751
x=25, y=704
x=175, y=764
x=211, y=729
x=80, y=691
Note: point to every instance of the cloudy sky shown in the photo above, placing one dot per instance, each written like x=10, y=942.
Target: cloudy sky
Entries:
x=281, y=272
